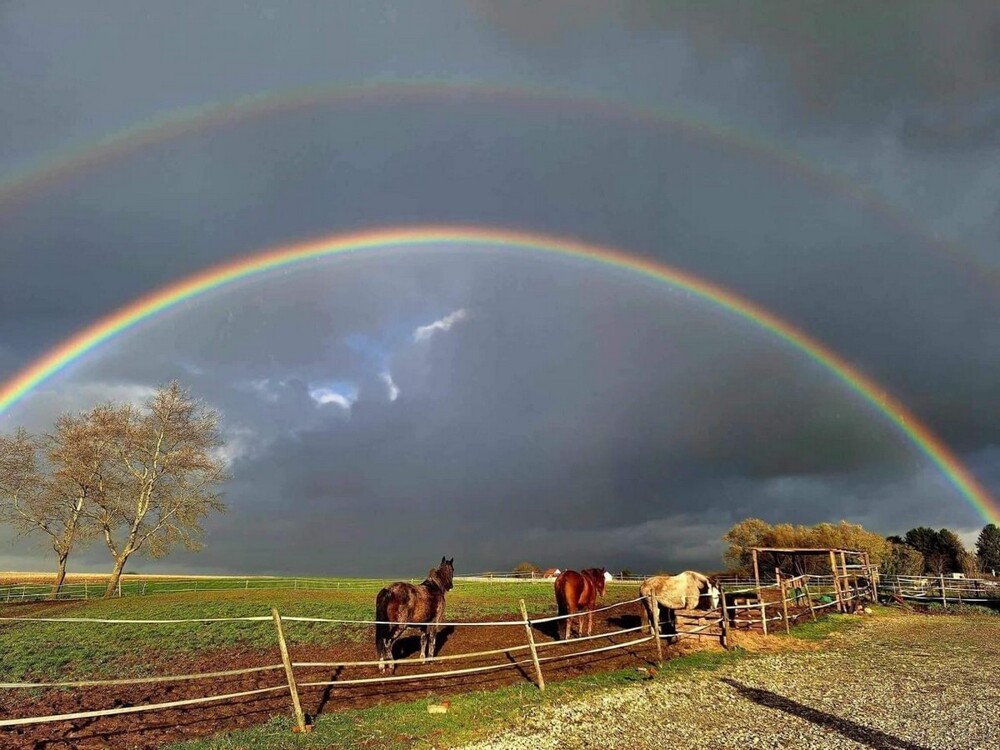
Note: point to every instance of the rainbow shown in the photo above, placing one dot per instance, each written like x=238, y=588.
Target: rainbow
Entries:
x=489, y=238
x=63, y=165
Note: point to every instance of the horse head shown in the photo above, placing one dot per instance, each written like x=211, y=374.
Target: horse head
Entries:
x=446, y=573
x=596, y=577
x=713, y=595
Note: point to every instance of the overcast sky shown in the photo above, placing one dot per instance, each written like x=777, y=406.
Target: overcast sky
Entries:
x=383, y=410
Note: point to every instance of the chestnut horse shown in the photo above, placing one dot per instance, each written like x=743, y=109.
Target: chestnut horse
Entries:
x=401, y=605
x=575, y=592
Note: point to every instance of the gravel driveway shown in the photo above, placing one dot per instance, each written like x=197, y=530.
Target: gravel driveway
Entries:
x=906, y=682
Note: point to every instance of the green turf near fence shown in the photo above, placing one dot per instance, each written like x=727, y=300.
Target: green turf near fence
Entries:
x=52, y=651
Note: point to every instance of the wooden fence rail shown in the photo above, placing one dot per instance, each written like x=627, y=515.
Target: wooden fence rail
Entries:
x=714, y=624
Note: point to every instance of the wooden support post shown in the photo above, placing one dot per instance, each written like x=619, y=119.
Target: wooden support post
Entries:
x=944, y=598
x=655, y=608
x=300, y=719
x=836, y=581
x=760, y=595
x=531, y=645
x=848, y=604
x=784, y=598
x=805, y=585
x=724, y=639
x=872, y=577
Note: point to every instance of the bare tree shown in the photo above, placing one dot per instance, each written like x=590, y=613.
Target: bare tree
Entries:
x=51, y=496
x=164, y=465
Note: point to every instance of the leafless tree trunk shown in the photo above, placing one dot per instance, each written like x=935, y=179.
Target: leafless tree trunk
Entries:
x=166, y=464
x=50, y=497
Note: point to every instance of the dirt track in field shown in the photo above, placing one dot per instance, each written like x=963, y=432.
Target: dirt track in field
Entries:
x=152, y=729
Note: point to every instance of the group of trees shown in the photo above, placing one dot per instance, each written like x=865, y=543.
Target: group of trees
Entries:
x=753, y=532
x=921, y=550
x=940, y=552
x=140, y=479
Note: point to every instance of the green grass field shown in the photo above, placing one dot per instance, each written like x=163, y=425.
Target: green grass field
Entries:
x=50, y=651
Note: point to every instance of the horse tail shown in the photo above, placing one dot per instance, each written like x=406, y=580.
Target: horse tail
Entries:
x=382, y=627
x=562, y=604
x=561, y=601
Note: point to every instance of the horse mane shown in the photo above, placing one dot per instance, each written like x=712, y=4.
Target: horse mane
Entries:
x=441, y=576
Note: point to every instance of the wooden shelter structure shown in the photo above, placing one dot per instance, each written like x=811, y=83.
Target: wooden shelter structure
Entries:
x=847, y=589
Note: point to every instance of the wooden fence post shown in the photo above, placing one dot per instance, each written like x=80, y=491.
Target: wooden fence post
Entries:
x=836, y=581
x=531, y=645
x=655, y=608
x=724, y=639
x=760, y=595
x=805, y=585
x=300, y=719
x=944, y=599
x=784, y=598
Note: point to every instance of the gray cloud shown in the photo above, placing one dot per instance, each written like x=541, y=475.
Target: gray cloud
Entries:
x=573, y=409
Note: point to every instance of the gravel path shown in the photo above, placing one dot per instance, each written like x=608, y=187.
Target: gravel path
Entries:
x=905, y=682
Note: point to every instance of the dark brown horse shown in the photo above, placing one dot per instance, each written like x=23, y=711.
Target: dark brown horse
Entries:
x=576, y=592
x=401, y=605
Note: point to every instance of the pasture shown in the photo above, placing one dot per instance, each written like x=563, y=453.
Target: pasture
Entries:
x=69, y=651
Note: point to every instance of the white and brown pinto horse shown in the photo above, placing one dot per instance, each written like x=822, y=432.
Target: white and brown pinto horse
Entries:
x=687, y=590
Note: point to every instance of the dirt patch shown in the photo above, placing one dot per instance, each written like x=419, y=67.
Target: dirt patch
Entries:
x=152, y=729
x=758, y=643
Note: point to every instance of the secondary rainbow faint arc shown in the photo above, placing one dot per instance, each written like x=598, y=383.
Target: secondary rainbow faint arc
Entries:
x=193, y=119
x=421, y=236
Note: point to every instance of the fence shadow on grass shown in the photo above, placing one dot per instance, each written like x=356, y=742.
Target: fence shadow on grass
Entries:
x=404, y=648
x=850, y=729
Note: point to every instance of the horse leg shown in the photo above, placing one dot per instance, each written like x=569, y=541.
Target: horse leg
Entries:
x=397, y=631
x=431, y=639
x=424, y=637
x=672, y=619
x=646, y=616
x=385, y=651
x=590, y=621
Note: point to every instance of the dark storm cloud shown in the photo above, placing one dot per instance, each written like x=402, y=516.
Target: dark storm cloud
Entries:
x=564, y=409
x=846, y=61
x=542, y=415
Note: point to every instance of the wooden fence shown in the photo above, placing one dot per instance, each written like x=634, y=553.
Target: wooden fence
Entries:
x=781, y=601
x=537, y=655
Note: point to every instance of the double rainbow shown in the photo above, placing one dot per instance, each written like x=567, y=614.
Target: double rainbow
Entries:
x=423, y=236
